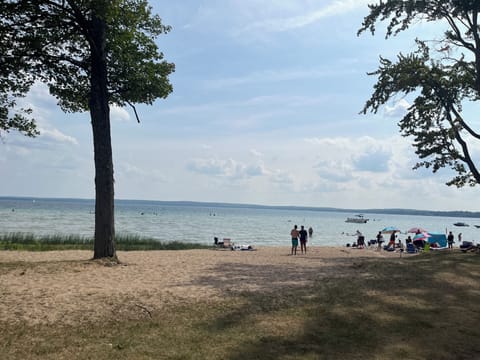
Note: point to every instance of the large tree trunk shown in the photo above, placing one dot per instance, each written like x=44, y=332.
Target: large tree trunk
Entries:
x=100, y=116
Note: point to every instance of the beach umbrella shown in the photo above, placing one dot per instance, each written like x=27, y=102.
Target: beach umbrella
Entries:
x=415, y=230
x=421, y=236
x=390, y=229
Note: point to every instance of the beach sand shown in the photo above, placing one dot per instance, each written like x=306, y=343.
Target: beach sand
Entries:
x=68, y=287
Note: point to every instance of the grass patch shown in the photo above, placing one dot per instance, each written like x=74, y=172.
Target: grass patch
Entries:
x=30, y=242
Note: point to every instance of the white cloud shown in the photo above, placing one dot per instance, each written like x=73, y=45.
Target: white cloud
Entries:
x=311, y=16
x=139, y=173
x=282, y=177
x=335, y=171
x=398, y=110
x=55, y=135
x=375, y=161
x=119, y=114
x=225, y=168
x=268, y=76
x=256, y=153
x=40, y=94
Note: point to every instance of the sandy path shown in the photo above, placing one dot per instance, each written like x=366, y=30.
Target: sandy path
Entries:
x=66, y=286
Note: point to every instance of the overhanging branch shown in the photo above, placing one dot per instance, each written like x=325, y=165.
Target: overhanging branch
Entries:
x=134, y=110
x=464, y=124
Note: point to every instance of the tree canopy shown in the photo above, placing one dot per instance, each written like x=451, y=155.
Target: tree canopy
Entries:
x=52, y=41
x=91, y=54
x=14, y=83
x=442, y=76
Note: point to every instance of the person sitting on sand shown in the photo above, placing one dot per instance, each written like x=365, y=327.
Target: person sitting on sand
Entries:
x=419, y=244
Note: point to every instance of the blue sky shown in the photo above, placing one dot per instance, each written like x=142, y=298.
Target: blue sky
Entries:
x=265, y=110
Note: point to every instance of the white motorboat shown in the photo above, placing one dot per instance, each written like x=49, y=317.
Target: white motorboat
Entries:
x=358, y=219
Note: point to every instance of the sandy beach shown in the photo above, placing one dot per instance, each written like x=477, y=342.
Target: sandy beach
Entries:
x=68, y=287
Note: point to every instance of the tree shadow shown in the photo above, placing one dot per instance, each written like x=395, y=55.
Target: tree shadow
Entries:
x=353, y=309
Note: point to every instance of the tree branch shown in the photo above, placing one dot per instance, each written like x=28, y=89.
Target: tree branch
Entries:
x=456, y=30
x=464, y=124
x=134, y=110
x=467, y=158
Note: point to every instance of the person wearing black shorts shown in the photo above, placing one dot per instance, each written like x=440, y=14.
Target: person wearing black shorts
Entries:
x=303, y=239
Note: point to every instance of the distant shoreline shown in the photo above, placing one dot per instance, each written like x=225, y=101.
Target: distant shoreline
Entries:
x=390, y=211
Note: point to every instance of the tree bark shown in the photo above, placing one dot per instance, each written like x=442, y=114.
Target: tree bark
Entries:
x=104, y=245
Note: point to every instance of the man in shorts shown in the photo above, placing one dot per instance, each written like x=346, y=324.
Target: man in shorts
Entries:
x=303, y=239
x=294, y=234
x=450, y=240
x=379, y=240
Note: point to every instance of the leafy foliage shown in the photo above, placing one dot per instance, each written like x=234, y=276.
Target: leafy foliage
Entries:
x=14, y=83
x=54, y=39
x=91, y=54
x=441, y=75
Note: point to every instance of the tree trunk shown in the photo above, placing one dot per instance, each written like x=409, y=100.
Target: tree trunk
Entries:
x=100, y=115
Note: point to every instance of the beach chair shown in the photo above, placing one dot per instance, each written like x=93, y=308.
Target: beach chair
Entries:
x=227, y=243
x=411, y=249
x=372, y=242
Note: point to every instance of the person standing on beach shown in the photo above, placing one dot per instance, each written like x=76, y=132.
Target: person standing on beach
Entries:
x=379, y=240
x=450, y=239
x=303, y=239
x=294, y=234
x=391, y=243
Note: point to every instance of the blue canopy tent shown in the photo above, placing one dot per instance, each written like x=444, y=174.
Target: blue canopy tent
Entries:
x=436, y=237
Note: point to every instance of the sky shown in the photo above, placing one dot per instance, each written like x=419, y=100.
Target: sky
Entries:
x=265, y=110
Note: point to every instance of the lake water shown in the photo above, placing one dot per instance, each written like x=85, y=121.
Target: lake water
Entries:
x=201, y=222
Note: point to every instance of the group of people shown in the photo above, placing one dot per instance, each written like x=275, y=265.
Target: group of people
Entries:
x=302, y=236
x=392, y=244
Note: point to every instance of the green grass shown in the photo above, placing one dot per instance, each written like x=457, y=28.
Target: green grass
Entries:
x=422, y=307
x=30, y=242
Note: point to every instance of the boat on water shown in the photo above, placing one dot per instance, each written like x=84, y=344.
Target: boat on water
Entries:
x=461, y=224
x=358, y=219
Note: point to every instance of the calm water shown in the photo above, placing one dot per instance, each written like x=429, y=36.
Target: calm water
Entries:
x=200, y=222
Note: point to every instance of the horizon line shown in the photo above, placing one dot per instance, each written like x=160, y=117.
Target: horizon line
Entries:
x=296, y=207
